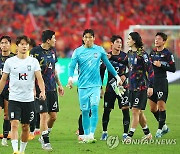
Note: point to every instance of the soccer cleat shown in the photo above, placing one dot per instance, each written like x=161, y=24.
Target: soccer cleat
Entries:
x=88, y=141
x=16, y=152
x=37, y=132
x=165, y=130
x=47, y=147
x=127, y=139
x=124, y=135
x=41, y=140
x=81, y=137
x=31, y=137
x=21, y=153
x=158, y=133
x=104, y=137
x=147, y=137
x=4, y=142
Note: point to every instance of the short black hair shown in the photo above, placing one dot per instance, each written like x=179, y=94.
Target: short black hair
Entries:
x=137, y=38
x=32, y=42
x=115, y=37
x=47, y=34
x=6, y=37
x=163, y=35
x=23, y=37
x=88, y=31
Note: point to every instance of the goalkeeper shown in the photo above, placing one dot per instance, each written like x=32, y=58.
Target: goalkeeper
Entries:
x=112, y=91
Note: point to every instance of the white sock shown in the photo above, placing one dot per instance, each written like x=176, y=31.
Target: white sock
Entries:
x=104, y=131
x=32, y=133
x=22, y=146
x=37, y=129
x=132, y=129
x=49, y=130
x=91, y=135
x=45, y=132
x=14, y=145
x=164, y=127
x=145, y=127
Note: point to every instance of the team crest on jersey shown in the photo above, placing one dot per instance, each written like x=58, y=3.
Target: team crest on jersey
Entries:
x=95, y=55
x=29, y=67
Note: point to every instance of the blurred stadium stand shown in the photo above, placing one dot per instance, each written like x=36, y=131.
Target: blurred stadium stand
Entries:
x=68, y=18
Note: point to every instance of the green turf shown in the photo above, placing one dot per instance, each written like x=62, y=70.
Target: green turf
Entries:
x=64, y=140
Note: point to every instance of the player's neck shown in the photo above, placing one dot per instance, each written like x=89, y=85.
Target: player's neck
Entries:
x=115, y=52
x=45, y=46
x=160, y=48
x=6, y=53
x=133, y=48
x=22, y=56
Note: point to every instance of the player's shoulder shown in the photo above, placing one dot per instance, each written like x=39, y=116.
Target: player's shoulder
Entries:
x=166, y=51
x=36, y=49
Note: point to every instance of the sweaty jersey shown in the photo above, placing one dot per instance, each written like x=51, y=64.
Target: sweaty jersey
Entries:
x=167, y=62
x=47, y=60
x=21, y=78
x=141, y=74
x=2, y=61
x=88, y=60
x=119, y=67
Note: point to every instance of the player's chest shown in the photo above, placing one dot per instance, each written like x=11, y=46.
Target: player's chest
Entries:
x=46, y=59
x=89, y=56
x=158, y=56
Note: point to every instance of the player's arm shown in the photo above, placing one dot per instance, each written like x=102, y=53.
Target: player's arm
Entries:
x=72, y=66
x=170, y=64
x=150, y=73
x=60, y=87
x=41, y=85
x=3, y=81
x=110, y=68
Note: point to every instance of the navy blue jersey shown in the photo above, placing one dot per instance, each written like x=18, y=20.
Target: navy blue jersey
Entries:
x=167, y=62
x=141, y=72
x=2, y=61
x=119, y=67
x=47, y=60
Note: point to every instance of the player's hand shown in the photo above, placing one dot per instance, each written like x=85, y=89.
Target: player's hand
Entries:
x=123, y=78
x=102, y=93
x=42, y=95
x=157, y=63
x=60, y=90
x=70, y=83
x=149, y=92
x=119, y=81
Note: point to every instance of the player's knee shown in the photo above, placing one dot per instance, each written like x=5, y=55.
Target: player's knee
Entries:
x=53, y=118
x=135, y=111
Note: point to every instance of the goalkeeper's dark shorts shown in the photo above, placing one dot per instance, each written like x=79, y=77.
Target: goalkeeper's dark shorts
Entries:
x=110, y=98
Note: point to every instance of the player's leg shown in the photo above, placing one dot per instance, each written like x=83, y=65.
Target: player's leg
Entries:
x=6, y=124
x=14, y=112
x=53, y=108
x=153, y=106
x=44, y=138
x=37, y=125
x=94, y=104
x=109, y=100
x=123, y=103
x=143, y=123
x=85, y=108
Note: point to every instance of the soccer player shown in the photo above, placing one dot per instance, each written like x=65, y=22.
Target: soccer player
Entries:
x=140, y=81
x=110, y=95
x=46, y=55
x=88, y=57
x=5, y=45
x=163, y=61
x=22, y=71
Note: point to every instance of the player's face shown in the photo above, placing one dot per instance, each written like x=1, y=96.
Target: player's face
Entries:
x=117, y=45
x=88, y=40
x=130, y=41
x=53, y=41
x=23, y=47
x=5, y=45
x=159, y=41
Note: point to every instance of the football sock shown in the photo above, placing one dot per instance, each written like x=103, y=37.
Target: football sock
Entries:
x=156, y=115
x=94, y=118
x=6, y=128
x=86, y=122
x=126, y=120
x=105, y=119
x=162, y=119
x=81, y=131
